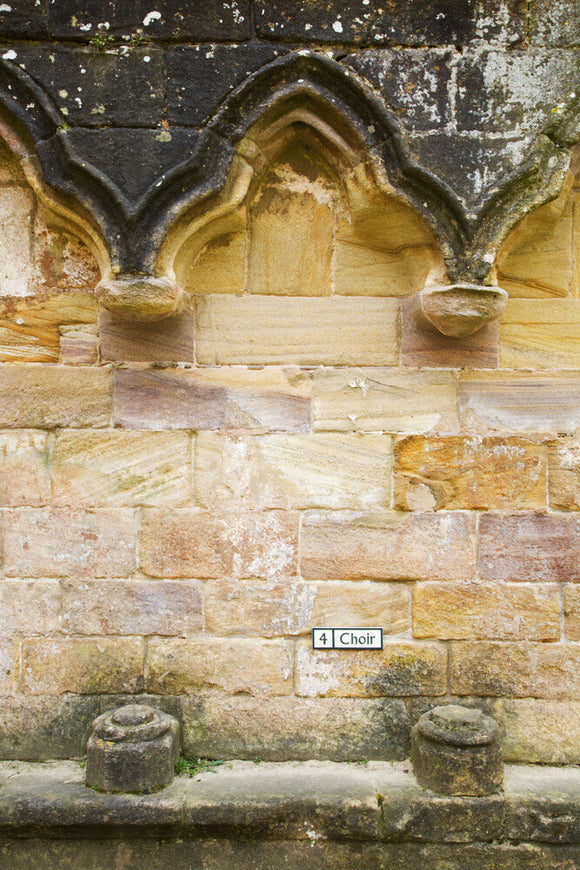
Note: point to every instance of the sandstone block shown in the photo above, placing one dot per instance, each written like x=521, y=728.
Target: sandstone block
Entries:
x=423, y=345
x=292, y=471
x=78, y=346
x=260, y=668
x=564, y=474
x=192, y=543
x=291, y=230
x=167, y=340
x=534, y=670
x=29, y=607
x=392, y=400
x=534, y=731
x=112, y=468
x=388, y=546
x=9, y=666
x=226, y=398
x=81, y=665
x=133, y=607
x=540, y=334
x=219, y=266
x=62, y=262
x=266, y=330
x=483, y=611
x=40, y=727
x=30, y=328
x=535, y=547
x=520, y=401
x=571, y=605
x=270, y=609
x=16, y=205
x=401, y=668
x=276, y=729
x=65, y=543
x=536, y=258
x=24, y=474
x=383, y=248
x=37, y=396
x=475, y=473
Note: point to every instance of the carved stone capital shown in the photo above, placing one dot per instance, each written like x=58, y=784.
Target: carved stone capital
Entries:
x=458, y=310
x=455, y=750
x=132, y=749
x=140, y=297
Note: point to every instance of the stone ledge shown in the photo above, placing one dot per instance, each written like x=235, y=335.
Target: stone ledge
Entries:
x=293, y=801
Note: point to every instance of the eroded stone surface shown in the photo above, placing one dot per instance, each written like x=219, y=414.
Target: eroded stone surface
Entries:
x=469, y=473
x=484, y=611
x=388, y=546
x=267, y=330
x=292, y=471
x=401, y=668
x=391, y=400
x=261, y=668
x=195, y=543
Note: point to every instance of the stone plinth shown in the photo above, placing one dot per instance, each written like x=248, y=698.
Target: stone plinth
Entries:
x=132, y=749
x=455, y=751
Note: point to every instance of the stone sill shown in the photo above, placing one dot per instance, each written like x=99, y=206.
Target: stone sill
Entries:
x=292, y=801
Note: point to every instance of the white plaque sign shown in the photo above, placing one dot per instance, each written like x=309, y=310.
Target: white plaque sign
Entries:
x=347, y=638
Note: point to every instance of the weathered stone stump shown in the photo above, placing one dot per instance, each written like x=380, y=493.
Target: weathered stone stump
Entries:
x=455, y=750
x=132, y=749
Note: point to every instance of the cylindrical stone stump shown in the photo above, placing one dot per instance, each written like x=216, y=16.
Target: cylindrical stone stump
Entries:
x=132, y=749
x=455, y=750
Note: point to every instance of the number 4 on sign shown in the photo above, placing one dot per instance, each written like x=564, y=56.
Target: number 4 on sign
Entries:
x=322, y=638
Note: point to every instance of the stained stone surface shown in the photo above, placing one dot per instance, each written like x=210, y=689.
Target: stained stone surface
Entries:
x=292, y=444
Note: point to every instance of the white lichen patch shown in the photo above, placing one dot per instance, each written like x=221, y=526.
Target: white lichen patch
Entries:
x=152, y=16
x=9, y=55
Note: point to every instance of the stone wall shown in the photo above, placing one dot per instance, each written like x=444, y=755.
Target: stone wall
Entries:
x=183, y=500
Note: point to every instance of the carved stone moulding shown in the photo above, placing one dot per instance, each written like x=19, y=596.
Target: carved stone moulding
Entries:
x=459, y=310
x=140, y=297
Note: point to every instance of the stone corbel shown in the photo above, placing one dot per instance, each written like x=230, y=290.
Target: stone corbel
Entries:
x=141, y=297
x=459, y=310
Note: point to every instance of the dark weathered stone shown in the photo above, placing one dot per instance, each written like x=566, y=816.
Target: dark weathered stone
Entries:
x=455, y=750
x=415, y=814
x=132, y=749
x=339, y=729
x=207, y=21
x=171, y=19
x=100, y=88
x=271, y=855
x=473, y=167
x=555, y=22
x=542, y=804
x=199, y=77
x=434, y=22
x=84, y=19
x=487, y=100
x=23, y=18
x=134, y=159
x=415, y=87
x=37, y=728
